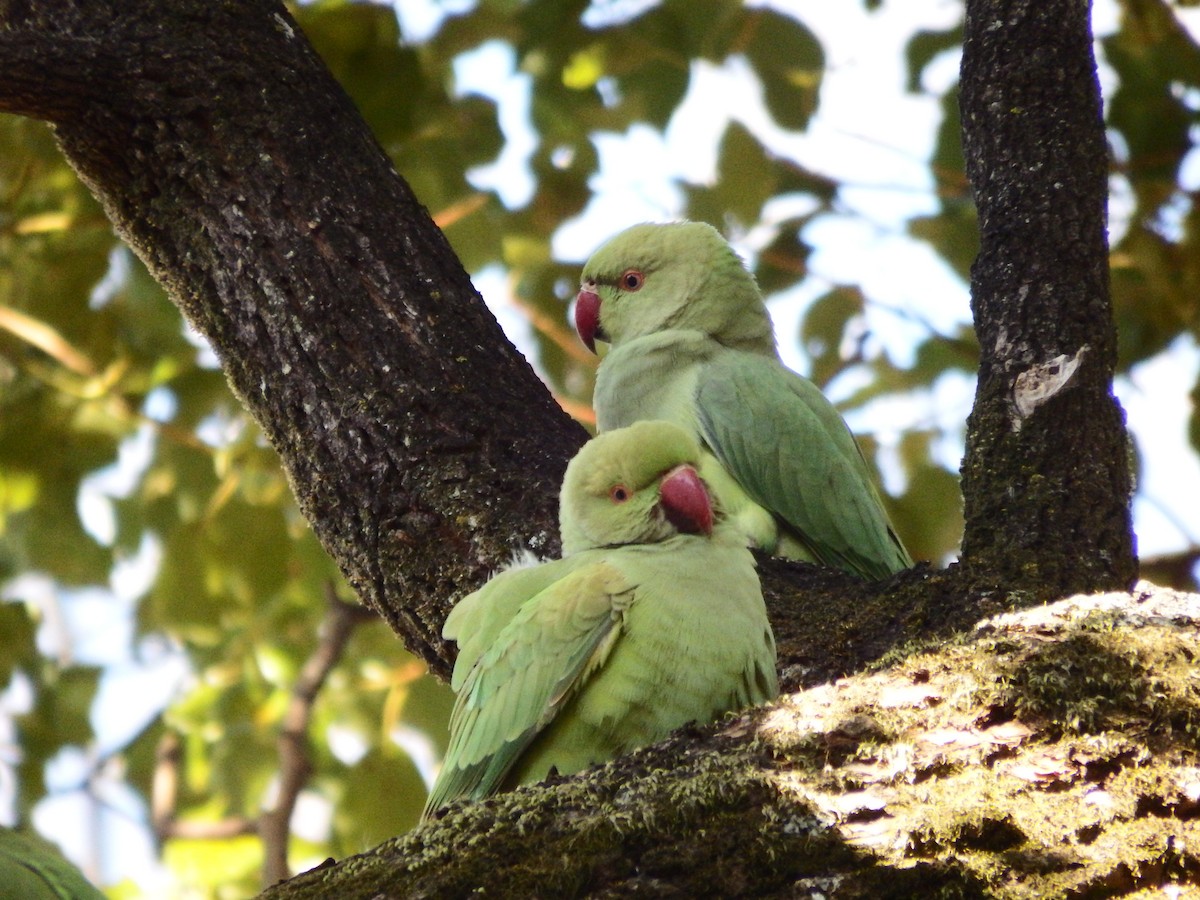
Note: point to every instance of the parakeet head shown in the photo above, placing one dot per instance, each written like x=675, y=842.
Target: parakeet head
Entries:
x=651, y=278
x=635, y=485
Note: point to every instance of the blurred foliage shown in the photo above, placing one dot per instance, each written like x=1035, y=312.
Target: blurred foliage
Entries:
x=95, y=363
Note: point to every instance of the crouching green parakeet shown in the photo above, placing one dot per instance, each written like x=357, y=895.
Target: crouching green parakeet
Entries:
x=652, y=619
x=692, y=343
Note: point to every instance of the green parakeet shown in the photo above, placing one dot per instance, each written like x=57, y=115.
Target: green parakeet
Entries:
x=33, y=869
x=692, y=343
x=652, y=619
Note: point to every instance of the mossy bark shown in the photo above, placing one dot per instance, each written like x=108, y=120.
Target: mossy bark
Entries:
x=1053, y=754
x=1046, y=477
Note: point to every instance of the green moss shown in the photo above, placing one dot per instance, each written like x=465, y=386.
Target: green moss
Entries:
x=977, y=828
x=1100, y=679
x=1043, y=758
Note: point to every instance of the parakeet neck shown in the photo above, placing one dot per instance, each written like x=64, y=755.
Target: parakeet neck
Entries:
x=652, y=377
x=728, y=306
x=752, y=333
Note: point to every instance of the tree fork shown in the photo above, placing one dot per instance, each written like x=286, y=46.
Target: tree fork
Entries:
x=235, y=166
x=419, y=444
x=1046, y=479
x=420, y=451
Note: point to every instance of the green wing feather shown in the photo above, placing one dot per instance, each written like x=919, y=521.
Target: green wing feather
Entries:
x=477, y=620
x=790, y=450
x=544, y=654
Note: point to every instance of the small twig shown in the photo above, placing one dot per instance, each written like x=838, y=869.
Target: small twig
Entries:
x=164, y=801
x=460, y=209
x=554, y=330
x=579, y=411
x=1175, y=570
x=39, y=334
x=164, y=788
x=223, y=829
x=295, y=764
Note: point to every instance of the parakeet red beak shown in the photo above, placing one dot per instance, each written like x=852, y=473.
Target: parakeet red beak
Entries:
x=685, y=501
x=587, y=317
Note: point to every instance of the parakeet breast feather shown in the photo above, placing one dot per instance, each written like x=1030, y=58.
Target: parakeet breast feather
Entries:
x=652, y=377
x=695, y=642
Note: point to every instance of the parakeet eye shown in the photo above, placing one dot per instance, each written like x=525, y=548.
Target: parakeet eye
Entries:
x=633, y=280
x=618, y=493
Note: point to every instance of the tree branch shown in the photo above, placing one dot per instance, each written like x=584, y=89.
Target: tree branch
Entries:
x=1174, y=569
x=164, y=796
x=52, y=78
x=988, y=767
x=295, y=764
x=421, y=446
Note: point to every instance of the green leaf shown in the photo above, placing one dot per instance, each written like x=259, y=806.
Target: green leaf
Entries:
x=743, y=181
x=921, y=49
x=1193, y=423
x=651, y=67
x=182, y=597
x=790, y=63
x=59, y=718
x=361, y=820
x=1153, y=56
x=929, y=515
x=360, y=43
x=18, y=649
x=1154, y=293
x=823, y=327
x=217, y=866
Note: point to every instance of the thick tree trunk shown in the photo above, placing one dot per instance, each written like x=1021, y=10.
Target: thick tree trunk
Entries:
x=1046, y=478
x=423, y=449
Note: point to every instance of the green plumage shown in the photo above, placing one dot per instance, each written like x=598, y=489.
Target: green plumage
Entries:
x=33, y=869
x=641, y=629
x=692, y=344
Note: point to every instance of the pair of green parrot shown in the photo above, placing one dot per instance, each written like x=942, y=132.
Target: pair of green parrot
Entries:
x=654, y=616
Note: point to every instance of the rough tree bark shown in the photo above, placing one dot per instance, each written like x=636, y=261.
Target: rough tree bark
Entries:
x=1044, y=420
x=1052, y=755
x=421, y=446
